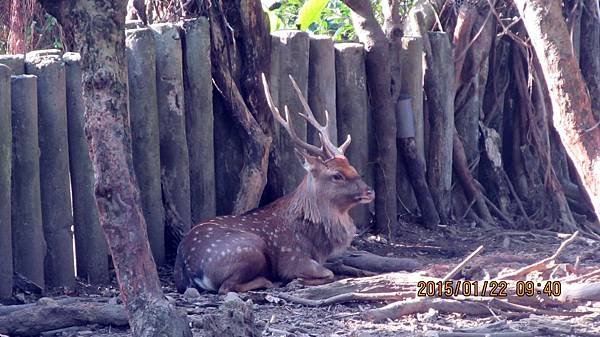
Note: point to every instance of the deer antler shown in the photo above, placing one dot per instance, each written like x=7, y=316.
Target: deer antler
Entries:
x=331, y=149
x=328, y=150
x=286, y=123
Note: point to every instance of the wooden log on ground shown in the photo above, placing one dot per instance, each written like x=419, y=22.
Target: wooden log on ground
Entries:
x=375, y=263
x=48, y=314
x=321, y=85
x=90, y=244
x=199, y=119
x=353, y=113
x=439, y=88
x=54, y=166
x=29, y=245
x=6, y=260
x=174, y=156
x=15, y=62
x=293, y=60
x=145, y=138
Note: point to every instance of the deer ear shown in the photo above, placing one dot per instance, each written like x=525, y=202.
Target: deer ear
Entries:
x=310, y=163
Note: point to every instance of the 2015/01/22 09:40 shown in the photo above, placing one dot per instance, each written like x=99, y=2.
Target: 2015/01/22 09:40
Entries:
x=487, y=288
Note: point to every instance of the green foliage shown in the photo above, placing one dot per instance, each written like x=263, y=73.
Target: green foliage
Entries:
x=326, y=17
x=310, y=12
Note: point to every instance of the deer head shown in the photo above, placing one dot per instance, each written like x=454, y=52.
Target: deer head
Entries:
x=331, y=185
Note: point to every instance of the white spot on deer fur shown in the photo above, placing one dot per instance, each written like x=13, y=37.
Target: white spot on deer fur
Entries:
x=213, y=245
x=293, y=258
x=298, y=249
x=273, y=214
x=222, y=253
x=208, y=250
x=238, y=249
x=218, y=240
x=205, y=283
x=193, y=249
x=208, y=236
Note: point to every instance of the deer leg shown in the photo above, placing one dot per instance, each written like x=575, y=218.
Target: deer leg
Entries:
x=257, y=283
x=312, y=273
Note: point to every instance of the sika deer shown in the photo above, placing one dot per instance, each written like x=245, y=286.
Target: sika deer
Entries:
x=287, y=239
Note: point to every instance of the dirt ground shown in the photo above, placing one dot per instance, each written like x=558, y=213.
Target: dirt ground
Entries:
x=439, y=252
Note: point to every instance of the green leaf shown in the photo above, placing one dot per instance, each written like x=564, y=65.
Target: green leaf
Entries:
x=274, y=21
x=310, y=12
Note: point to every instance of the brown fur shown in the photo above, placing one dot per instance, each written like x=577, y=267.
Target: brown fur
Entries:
x=287, y=239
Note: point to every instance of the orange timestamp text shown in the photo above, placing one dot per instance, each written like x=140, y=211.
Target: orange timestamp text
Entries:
x=490, y=288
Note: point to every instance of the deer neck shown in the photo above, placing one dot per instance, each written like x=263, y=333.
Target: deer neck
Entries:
x=314, y=217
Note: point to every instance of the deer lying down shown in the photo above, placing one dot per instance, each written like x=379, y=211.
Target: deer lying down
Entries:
x=287, y=239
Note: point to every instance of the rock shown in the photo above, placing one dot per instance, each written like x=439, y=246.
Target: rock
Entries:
x=234, y=318
x=232, y=297
x=191, y=293
x=47, y=301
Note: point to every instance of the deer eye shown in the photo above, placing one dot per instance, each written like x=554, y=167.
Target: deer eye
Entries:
x=338, y=177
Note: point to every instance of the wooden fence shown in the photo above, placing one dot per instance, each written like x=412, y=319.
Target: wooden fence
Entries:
x=179, y=130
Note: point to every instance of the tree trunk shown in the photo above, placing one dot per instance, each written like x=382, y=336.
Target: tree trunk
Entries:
x=379, y=82
x=236, y=74
x=19, y=18
x=102, y=45
x=589, y=51
x=572, y=112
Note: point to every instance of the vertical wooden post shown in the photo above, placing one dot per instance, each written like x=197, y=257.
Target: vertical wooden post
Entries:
x=6, y=261
x=90, y=244
x=293, y=60
x=410, y=59
x=143, y=111
x=29, y=245
x=15, y=62
x=353, y=113
x=199, y=119
x=439, y=87
x=174, y=156
x=321, y=85
x=54, y=166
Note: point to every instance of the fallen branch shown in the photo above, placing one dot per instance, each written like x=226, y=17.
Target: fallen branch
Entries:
x=345, y=298
x=461, y=265
x=48, y=314
x=544, y=264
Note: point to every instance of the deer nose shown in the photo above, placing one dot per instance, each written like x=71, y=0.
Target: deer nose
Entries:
x=370, y=194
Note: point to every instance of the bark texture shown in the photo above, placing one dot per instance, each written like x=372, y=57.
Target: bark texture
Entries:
x=379, y=80
x=98, y=28
x=244, y=101
x=6, y=265
x=590, y=49
x=572, y=111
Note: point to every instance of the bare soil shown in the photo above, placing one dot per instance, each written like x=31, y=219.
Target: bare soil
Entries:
x=439, y=251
